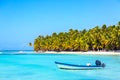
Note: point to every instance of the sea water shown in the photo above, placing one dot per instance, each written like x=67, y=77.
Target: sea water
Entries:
x=42, y=67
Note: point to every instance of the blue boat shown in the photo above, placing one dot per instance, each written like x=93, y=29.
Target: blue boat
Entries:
x=68, y=66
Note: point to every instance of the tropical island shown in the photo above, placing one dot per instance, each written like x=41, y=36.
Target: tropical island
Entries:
x=104, y=38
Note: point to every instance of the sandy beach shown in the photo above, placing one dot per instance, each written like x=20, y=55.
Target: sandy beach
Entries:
x=89, y=52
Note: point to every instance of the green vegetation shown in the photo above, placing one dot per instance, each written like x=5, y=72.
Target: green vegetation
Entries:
x=30, y=44
x=97, y=38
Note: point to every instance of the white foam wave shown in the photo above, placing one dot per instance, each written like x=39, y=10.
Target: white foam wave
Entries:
x=0, y=52
x=26, y=52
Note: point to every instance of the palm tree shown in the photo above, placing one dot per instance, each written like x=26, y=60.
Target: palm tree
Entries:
x=30, y=44
x=97, y=38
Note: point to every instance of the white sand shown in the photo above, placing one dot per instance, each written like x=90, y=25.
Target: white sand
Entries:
x=89, y=52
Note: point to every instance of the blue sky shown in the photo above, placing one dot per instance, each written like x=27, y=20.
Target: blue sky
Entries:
x=21, y=21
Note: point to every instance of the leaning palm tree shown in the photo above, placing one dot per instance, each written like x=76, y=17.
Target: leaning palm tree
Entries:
x=30, y=44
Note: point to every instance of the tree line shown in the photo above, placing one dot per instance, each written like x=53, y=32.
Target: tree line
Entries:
x=98, y=38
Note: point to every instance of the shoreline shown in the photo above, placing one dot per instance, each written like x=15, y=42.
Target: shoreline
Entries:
x=84, y=53
x=68, y=52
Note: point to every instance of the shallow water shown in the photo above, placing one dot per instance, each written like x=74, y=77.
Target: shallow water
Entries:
x=42, y=67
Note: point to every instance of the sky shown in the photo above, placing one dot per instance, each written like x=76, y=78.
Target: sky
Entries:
x=22, y=21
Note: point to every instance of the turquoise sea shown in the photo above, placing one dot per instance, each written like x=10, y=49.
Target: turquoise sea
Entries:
x=30, y=66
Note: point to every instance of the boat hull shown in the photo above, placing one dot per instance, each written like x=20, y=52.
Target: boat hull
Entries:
x=76, y=67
